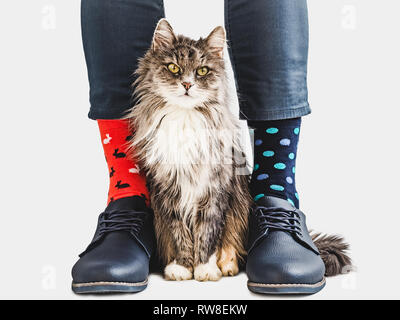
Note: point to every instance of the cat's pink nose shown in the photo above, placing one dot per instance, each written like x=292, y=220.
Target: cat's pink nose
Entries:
x=187, y=85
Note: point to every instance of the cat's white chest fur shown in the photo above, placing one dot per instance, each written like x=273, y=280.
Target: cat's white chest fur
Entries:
x=182, y=138
x=181, y=148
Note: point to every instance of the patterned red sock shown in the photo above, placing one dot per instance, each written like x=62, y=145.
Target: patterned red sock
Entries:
x=125, y=177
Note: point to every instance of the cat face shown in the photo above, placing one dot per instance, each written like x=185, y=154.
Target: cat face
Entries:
x=185, y=72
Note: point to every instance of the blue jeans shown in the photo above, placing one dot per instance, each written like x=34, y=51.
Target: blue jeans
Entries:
x=268, y=46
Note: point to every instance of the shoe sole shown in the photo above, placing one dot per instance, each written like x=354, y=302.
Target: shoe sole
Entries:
x=108, y=287
x=296, y=289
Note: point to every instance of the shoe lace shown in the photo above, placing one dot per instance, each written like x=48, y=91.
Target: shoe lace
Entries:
x=121, y=220
x=279, y=219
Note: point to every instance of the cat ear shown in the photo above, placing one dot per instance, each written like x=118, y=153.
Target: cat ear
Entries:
x=216, y=41
x=163, y=35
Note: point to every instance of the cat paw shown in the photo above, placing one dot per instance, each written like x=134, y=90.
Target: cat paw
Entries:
x=229, y=269
x=228, y=262
x=177, y=272
x=208, y=271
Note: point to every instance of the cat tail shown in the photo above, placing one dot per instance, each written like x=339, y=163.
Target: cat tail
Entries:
x=334, y=253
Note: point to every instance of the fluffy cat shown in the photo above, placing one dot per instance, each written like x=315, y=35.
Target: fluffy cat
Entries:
x=186, y=139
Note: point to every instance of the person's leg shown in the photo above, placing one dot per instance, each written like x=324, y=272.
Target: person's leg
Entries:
x=268, y=45
x=115, y=34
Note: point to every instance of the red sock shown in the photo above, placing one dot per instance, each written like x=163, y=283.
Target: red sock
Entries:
x=125, y=177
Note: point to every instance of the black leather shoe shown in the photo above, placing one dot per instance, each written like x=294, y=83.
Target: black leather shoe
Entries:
x=282, y=258
x=117, y=260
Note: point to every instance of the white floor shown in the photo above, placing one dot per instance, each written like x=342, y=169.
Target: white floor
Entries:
x=343, y=287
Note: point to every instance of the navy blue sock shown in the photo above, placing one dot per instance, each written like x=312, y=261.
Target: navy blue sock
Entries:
x=275, y=151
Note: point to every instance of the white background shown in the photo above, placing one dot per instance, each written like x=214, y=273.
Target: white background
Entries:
x=54, y=177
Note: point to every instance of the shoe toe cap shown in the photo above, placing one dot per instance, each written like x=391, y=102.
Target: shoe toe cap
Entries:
x=128, y=264
x=283, y=261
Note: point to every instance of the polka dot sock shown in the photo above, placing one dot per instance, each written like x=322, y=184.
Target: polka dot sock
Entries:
x=126, y=179
x=275, y=150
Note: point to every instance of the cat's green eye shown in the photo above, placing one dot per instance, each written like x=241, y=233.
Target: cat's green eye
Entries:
x=202, y=71
x=173, y=68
